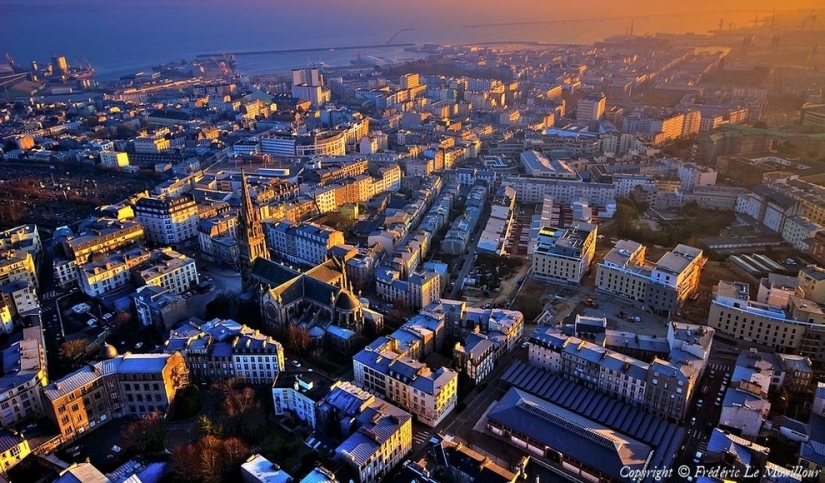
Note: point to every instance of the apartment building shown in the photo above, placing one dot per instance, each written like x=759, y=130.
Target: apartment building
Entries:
x=217, y=238
x=419, y=290
x=114, y=159
x=691, y=176
x=148, y=382
x=810, y=283
x=23, y=237
x=257, y=358
x=591, y=107
x=24, y=375
x=223, y=349
x=538, y=165
x=159, y=308
x=13, y=449
x=168, y=221
x=169, y=270
x=661, y=286
x=6, y=321
x=78, y=402
x=145, y=144
x=102, y=236
x=129, y=385
x=18, y=298
x=800, y=232
x=382, y=441
x=797, y=327
x=17, y=266
x=429, y=395
x=663, y=386
x=302, y=243
x=300, y=394
x=475, y=358
x=564, y=255
x=111, y=272
x=531, y=189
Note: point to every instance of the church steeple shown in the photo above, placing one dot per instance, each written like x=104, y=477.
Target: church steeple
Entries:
x=251, y=240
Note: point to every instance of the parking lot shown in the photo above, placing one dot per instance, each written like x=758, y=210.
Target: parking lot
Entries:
x=621, y=316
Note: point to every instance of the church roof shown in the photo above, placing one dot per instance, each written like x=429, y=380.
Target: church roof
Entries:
x=347, y=301
x=273, y=273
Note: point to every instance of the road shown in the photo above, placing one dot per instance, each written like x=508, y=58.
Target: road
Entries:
x=461, y=424
x=706, y=414
x=469, y=259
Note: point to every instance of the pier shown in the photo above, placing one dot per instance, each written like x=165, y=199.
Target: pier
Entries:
x=309, y=49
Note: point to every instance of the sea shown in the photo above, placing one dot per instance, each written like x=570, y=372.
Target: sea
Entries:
x=120, y=37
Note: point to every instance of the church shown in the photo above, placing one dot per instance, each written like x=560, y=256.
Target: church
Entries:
x=319, y=299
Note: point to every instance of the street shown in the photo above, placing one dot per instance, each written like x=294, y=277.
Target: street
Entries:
x=706, y=413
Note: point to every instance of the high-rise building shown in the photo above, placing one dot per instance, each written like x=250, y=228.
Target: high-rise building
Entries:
x=590, y=107
x=251, y=239
x=59, y=64
x=309, y=77
x=168, y=220
x=564, y=255
x=408, y=81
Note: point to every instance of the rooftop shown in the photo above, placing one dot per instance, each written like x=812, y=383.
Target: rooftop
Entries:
x=257, y=468
x=590, y=443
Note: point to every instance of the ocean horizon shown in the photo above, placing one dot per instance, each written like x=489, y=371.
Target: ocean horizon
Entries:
x=120, y=38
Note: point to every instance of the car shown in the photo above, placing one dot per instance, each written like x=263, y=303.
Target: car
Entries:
x=524, y=344
x=74, y=449
x=296, y=363
x=693, y=420
x=138, y=345
x=700, y=402
x=718, y=402
x=698, y=457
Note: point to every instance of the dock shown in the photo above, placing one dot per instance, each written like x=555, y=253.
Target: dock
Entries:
x=309, y=49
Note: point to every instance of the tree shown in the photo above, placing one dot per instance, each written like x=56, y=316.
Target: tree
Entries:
x=210, y=459
x=121, y=318
x=237, y=402
x=296, y=339
x=145, y=435
x=73, y=349
x=206, y=427
x=760, y=125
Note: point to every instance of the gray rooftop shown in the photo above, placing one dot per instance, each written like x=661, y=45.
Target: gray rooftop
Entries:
x=594, y=445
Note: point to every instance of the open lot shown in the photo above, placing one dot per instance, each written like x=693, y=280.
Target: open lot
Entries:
x=32, y=192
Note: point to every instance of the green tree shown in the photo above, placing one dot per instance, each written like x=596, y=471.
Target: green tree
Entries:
x=204, y=426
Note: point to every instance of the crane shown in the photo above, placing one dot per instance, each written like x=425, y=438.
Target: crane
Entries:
x=396, y=34
x=221, y=66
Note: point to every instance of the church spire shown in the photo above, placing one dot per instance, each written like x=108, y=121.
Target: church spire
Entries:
x=251, y=240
